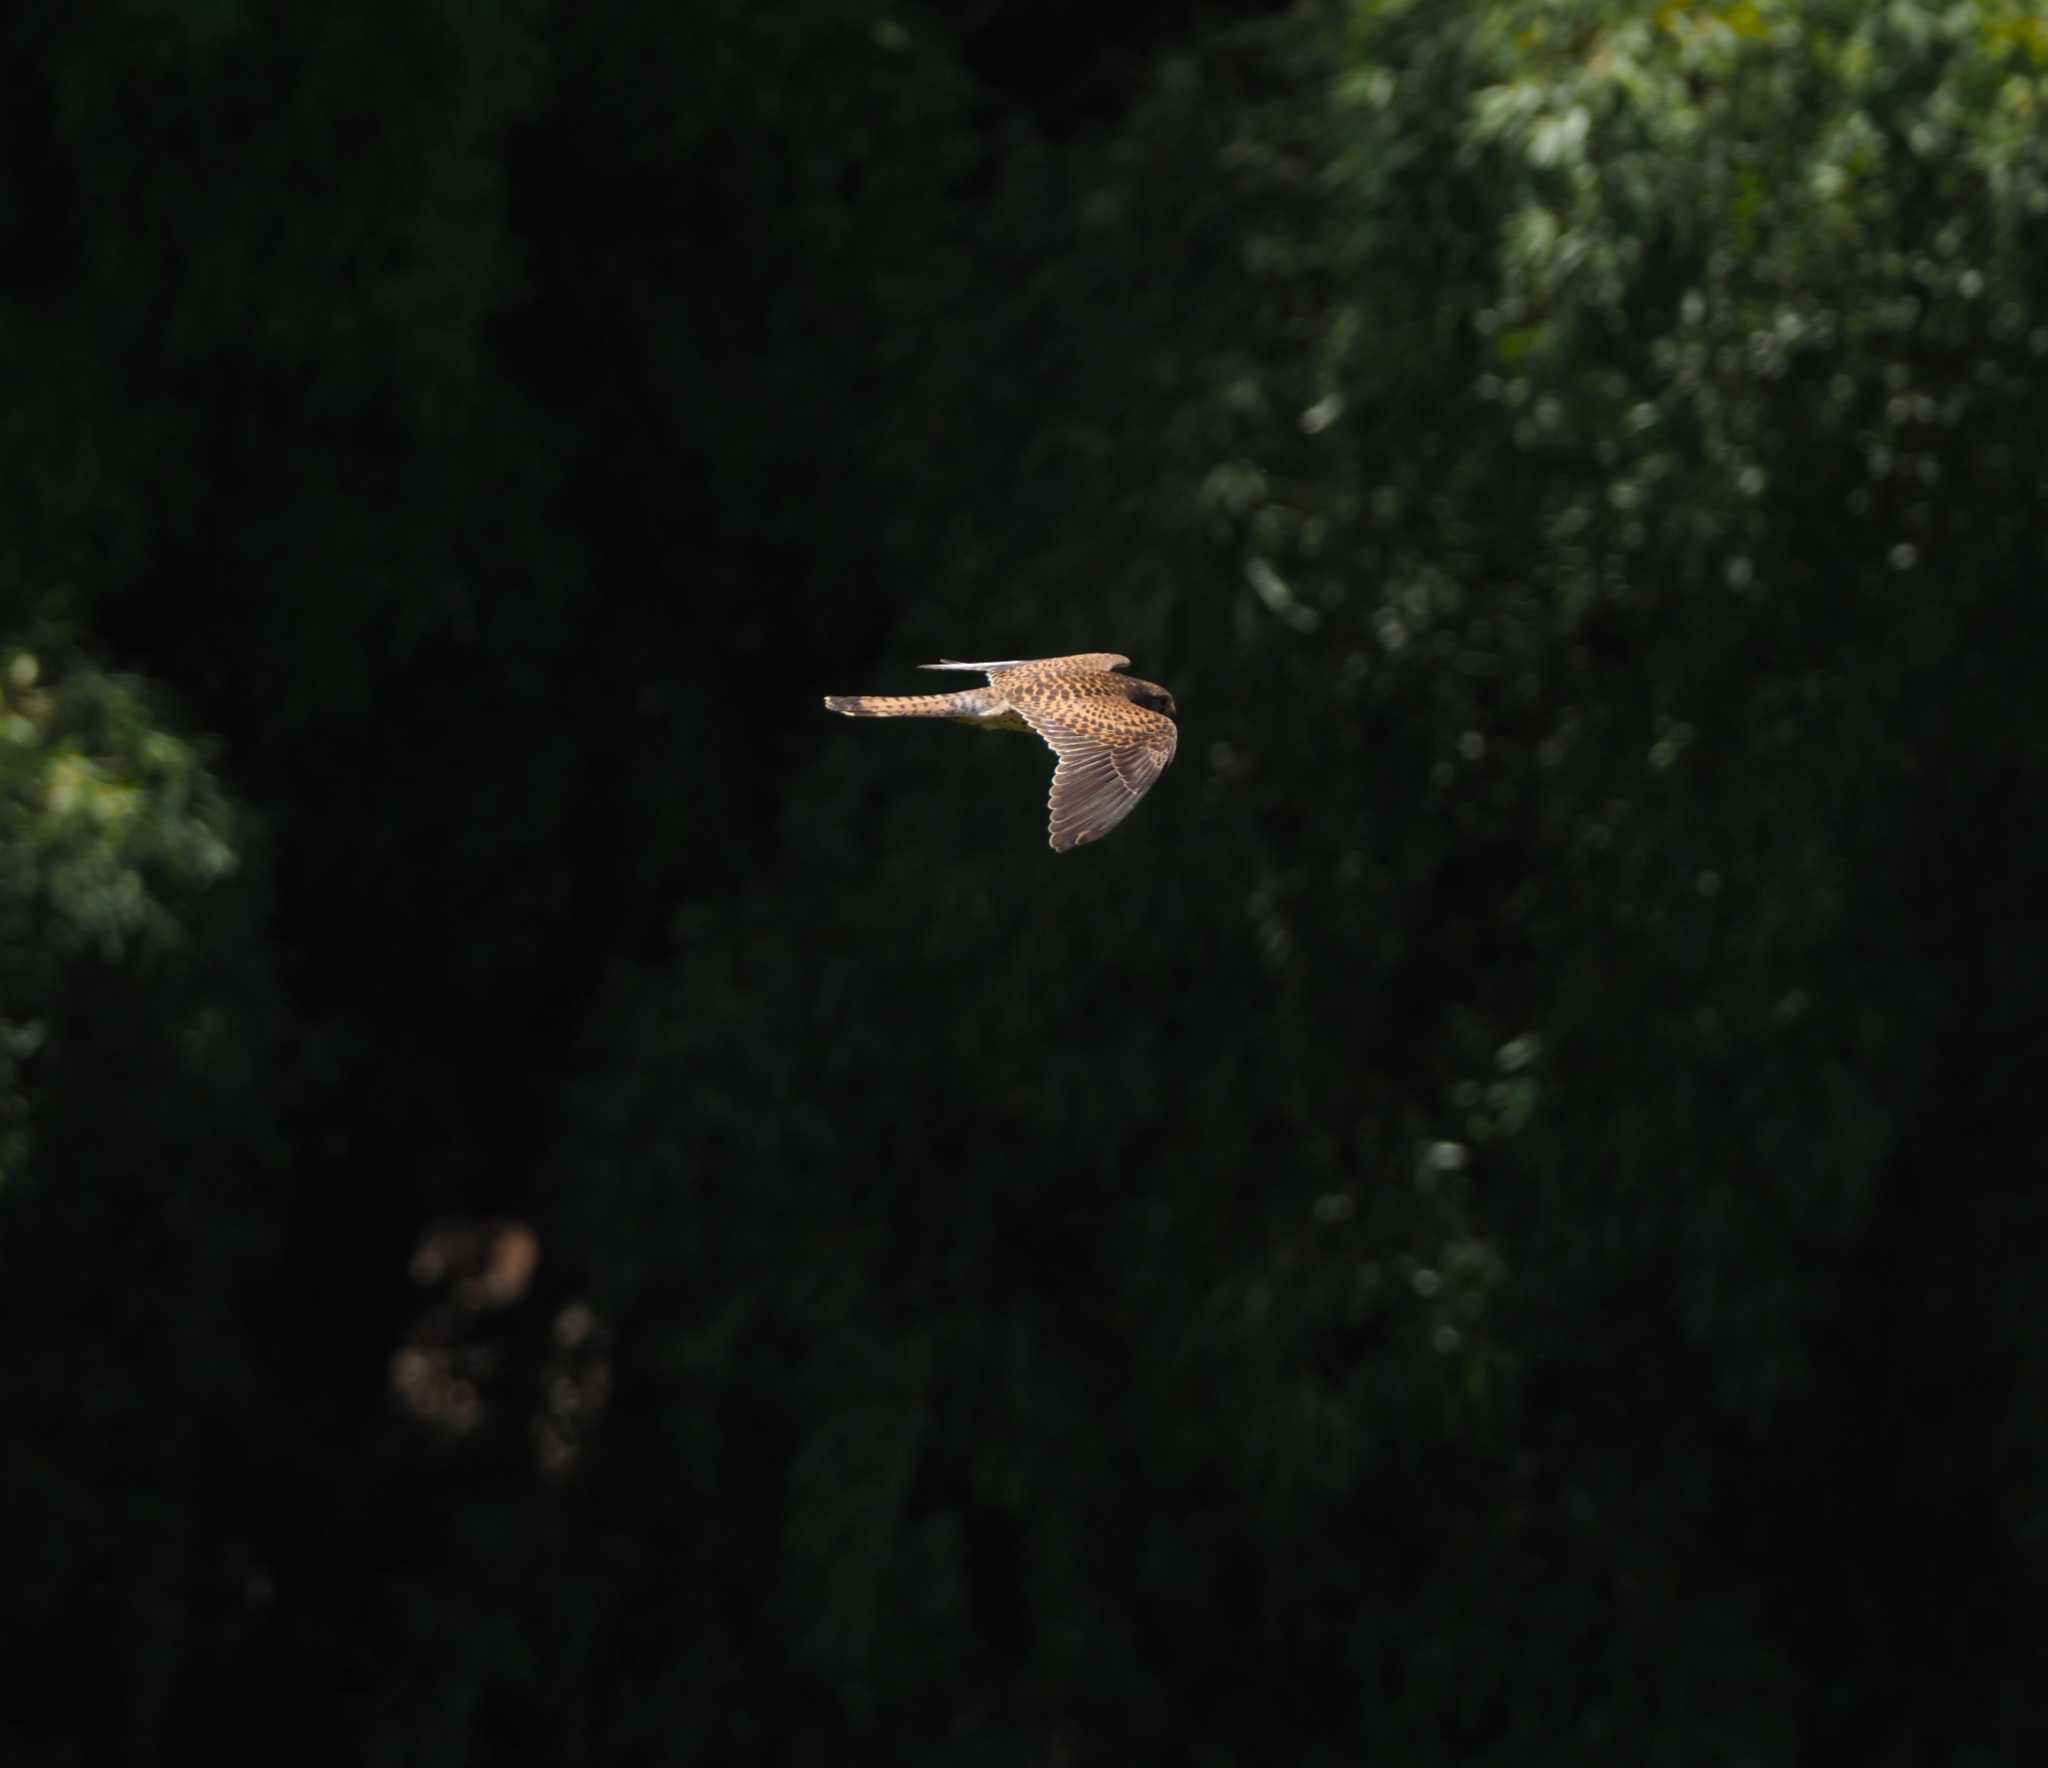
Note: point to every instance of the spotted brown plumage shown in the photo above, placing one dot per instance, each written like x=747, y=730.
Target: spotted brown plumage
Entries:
x=1113, y=734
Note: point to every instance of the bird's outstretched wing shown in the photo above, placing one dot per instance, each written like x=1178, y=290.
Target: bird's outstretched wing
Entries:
x=1082, y=664
x=1110, y=753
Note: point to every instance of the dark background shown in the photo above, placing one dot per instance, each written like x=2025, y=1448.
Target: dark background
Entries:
x=558, y=1204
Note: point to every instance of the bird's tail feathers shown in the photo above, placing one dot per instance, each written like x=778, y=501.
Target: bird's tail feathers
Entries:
x=898, y=705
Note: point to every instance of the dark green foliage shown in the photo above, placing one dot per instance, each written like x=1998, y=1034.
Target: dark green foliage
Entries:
x=1494, y=1221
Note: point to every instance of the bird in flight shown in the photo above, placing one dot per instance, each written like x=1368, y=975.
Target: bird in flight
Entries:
x=1113, y=734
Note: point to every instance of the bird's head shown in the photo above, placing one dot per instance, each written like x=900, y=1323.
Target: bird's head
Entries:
x=1153, y=698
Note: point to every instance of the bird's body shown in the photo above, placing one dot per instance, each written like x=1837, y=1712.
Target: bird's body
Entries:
x=1113, y=734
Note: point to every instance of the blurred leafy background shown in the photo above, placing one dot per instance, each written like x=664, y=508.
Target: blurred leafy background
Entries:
x=558, y=1205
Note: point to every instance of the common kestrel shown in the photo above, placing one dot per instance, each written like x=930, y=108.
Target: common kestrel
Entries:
x=1113, y=734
